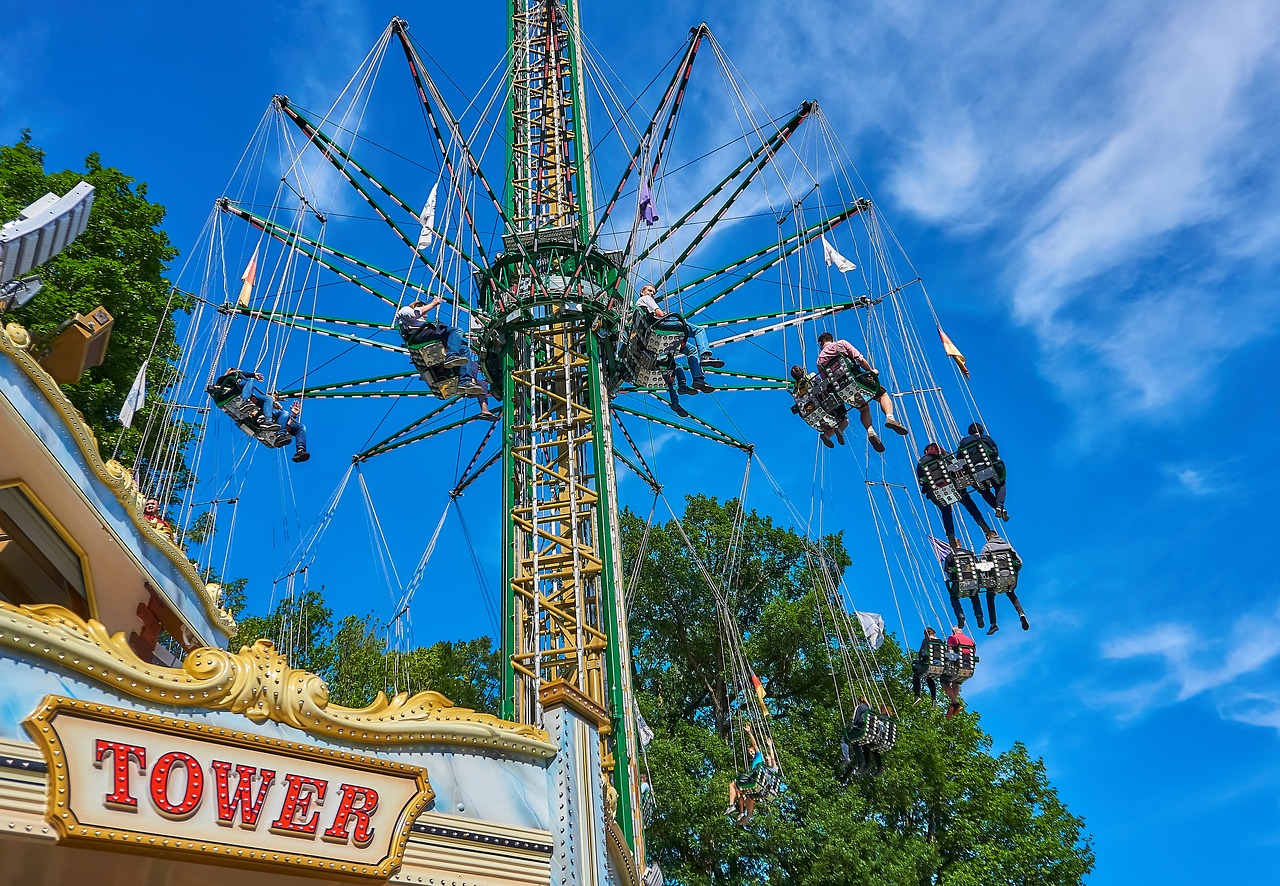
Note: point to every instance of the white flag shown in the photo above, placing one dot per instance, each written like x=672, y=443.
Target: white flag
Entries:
x=428, y=219
x=643, y=732
x=137, y=396
x=873, y=628
x=831, y=257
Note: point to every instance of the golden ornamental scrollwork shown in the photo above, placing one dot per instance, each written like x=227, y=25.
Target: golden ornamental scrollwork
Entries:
x=258, y=683
x=15, y=341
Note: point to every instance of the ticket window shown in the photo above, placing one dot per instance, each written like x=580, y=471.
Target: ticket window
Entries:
x=37, y=565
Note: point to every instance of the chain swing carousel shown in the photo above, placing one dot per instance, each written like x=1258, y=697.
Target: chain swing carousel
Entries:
x=338, y=270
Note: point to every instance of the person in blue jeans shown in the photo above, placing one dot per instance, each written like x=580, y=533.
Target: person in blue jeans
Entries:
x=298, y=431
x=416, y=328
x=693, y=351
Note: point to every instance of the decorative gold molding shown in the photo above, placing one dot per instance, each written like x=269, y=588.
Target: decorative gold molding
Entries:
x=620, y=857
x=15, y=341
x=562, y=692
x=257, y=682
x=60, y=813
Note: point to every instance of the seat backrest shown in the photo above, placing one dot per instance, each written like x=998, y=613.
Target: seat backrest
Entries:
x=962, y=572
x=938, y=480
x=933, y=654
x=1001, y=572
x=850, y=382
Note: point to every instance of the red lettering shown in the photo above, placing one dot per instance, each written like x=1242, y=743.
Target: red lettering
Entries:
x=298, y=803
x=347, y=810
x=243, y=799
x=121, y=753
x=160, y=775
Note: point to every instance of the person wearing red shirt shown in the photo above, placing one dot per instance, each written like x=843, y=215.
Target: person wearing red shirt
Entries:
x=957, y=642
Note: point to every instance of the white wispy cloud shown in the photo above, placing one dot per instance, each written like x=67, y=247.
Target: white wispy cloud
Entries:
x=1109, y=160
x=1194, y=662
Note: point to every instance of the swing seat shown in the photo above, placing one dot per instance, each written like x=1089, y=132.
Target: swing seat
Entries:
x=885, y=734
x=652, y=876
x=852, y=384
x=762, y=783
x=442, y=381
x=650, y=348
x=943, y=479
x=247, y=415
x=960, y=663
x=223, y=391
x=428, y=354
x=819, y=405
x=933, y=655
x=982, y=466
x=997, y=573
x=963, y=573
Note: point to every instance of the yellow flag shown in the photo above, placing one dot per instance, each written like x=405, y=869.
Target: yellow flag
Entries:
x=250, y=274
x=953, y=352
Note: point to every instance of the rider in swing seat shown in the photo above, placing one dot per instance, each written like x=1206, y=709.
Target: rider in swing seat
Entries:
x=979, y=450
x=833, y=350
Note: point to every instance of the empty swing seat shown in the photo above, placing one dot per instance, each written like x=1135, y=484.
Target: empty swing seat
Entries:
x=963, y=573
x=984, y=469
x=944, y=479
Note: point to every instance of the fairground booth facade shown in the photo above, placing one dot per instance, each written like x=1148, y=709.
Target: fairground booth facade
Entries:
x=135, y=748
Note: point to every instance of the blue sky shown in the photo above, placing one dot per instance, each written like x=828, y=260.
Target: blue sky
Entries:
x=1088, y=190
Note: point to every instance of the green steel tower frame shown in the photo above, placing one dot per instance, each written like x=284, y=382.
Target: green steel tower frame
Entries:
x=555, y=306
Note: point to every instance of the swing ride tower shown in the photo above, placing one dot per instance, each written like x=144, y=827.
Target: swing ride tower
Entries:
x=552, y=304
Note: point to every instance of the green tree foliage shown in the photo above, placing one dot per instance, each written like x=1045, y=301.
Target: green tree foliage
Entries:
x=354, y=658
x=944, y=811
x=119, y=262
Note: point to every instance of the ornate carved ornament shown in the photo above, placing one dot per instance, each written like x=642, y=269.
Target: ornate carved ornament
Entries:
x=15, y=342
x=257, y=682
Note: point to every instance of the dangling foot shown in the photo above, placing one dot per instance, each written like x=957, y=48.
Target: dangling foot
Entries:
x=991, y=630
x=1002, y=514
x=730, y=809
x=685, y=391
x=701, y=385
x=953, y=709
x=826, y=441
x=960, y=623
x=894, y=425
x=679, y=410
x=840, y=436
x=1026, y=625
x=711, y=362
x=875, y=442
x=455, y=360
x=486, y=415
x=992, y=535
x=979, y=618
x=469, y=389
x=301, y=455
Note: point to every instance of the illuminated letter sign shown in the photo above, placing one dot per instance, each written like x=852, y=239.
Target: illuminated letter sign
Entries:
x=156, y=784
